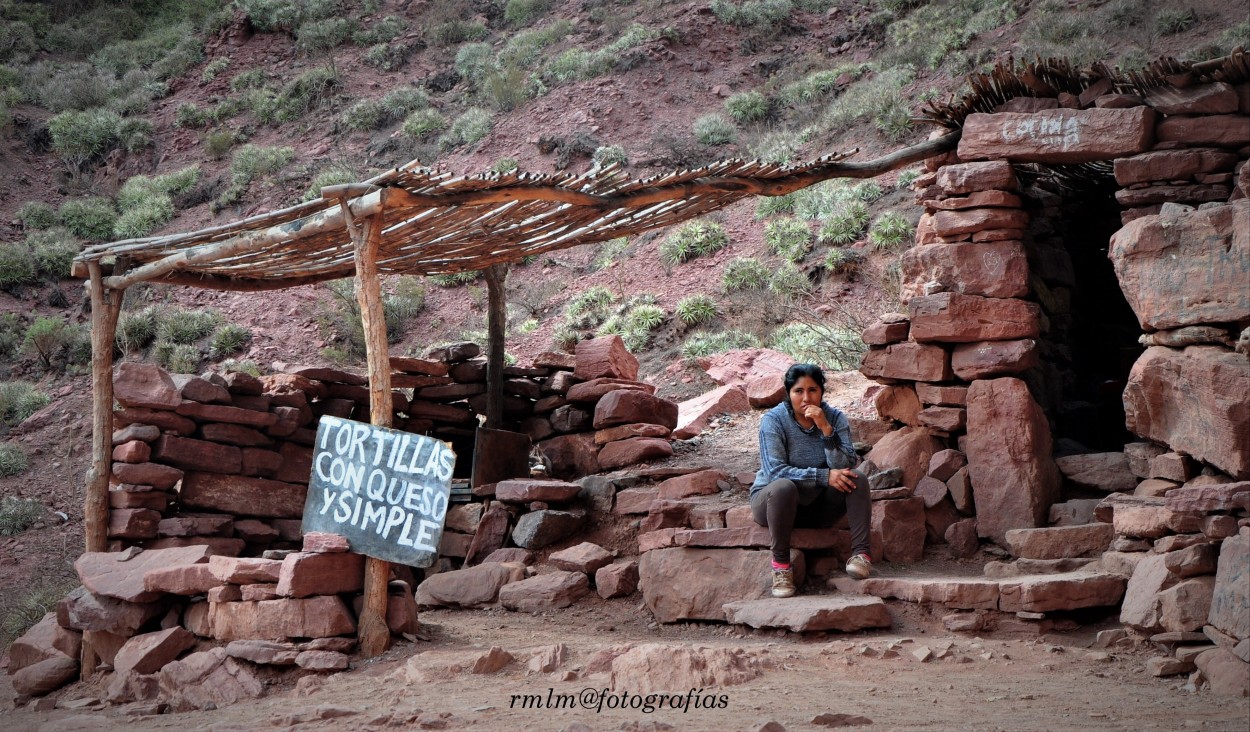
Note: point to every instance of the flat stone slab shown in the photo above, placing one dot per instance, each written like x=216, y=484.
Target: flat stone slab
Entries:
x=1027, y=593
x=812, y=613
x=962, y=593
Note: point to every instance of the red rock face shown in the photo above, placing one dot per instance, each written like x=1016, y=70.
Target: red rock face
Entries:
x=956, y=180
x=883, y=334
x=737, y=368
x=307, y=574
x=606, y=356
x=898, y=403
x=189, y=454
x=952, y=224
x=570, y=455
x=633, y=451
x=1219, y=130
x=1217, y=98
x=694, y=415
x=908, y=361
x=1173, y=165
x=1195, y=401
x=971, y=361
x=630, y=407
x=1187, y=269
x=526, y=490
x=144, y=386
x=953, y=318
x=992, y=269
x=898, y=528
x=911, y=449
x=767, y=391
x=323, y=616
x=1014, y=479
x=1058, y=135
x=245, y=496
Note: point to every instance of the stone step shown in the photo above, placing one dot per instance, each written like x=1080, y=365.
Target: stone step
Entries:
x=1061, y=542
x=1031, y=593
x=844, y=613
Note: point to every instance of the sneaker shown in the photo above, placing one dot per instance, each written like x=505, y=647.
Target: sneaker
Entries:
x=859, y=566
x=783, y=582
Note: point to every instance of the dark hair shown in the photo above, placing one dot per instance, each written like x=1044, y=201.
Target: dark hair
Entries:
x=799, y=370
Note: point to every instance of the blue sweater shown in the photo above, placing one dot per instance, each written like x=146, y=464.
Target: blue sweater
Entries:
x=789, y=451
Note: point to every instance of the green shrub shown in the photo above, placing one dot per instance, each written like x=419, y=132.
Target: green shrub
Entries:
x=890, y=230
x=36, y=215
x=17, y=514
x=578, y=63
x=218, y=142
x=818, y=342
x=473, y=60
x=646, y=317
x=191, y=117
x=134, y=134
x=399, y=102
x=696, y=309
x=54, y=251
x=388, y=56
x=182, y=327
x=693, y=239
x=383, y=31
x=455, y=279
x=19, y=400
x=589, y=308
x=609, y=155
x=17, y=266
x=333, y=175
x=774, y=205
x=471, y=126
x=13, y=460
x=713, y=129
x=846, y=225
x=251, y=368
x=298, y=97
x=248, y=162
x=758, y=14
x=11, y=332
x=177, y=358
x=788, y=237
x=820, y=85
x=906, y=178
x=844, y=262
x=705, y=344
x=790, y=282
x=927, y=35
x=525, y=48
x=89, y=218
x=508, y=88
x=250, y=79
x=213, y=68
x=45, y=338
x=777, y=146
x=519, y=13
x=504, y=165
x=324, y=35
x=1172, y=21
x=147, y=201
x=136, y=330
x=228, y=340
x=423, y=122
x=79, y=137
x=747, y=107
x=21, y=609
x=866, y=99
x=455, y=32
x=893, y=119
x=609, y=252
x=745, y=273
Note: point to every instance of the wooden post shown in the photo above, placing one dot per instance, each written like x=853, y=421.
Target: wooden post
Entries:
x=375, y=634
x=496, y=320
x=105, y=307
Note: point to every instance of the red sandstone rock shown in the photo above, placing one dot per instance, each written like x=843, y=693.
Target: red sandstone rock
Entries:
x=321, y=542
x=846, y=613
x=586, y=558
x=1215, y=98
x=245, y=570
x=702, y=483
x=931, y=490
x=908, y=361
x=469, y=587
x=1227, y=674
x=945, y=463
x=593, y=390
x=605, y=356
x=189, y=454
x=629, y=407
x=231, y=415
x=634, y=500
x=942, y=419
x=980, y=199
x=570, y=455
x=207, y=680
x=544, y=592
x=120, y=575
x=883, y=334
x=947, y=224
x=133, y=523
x=898, y=403
x=1172, y=165
x=243, y=495
x=1060, y=542
x=132, y=452
x=306, y=574
x=435, y=666
x=694, y=415
x=1181, y=398
x=84, y=610
x=321, y=616
x=994, y=269
x=45, y=639
x=1207, y=498
x=945, y=396
x=1071, y=591
x=1159, y=261
x=525, y=490
x=625, y=431
x=632, y=451
x=1230, y=601
x=148, y=653
x=1105, y=471
x=766, y=391
x=45, y=676
x=145, y=386
x=949, y=317
x=898, y=527
x=1218, y=130
x=739, y=367
x=161, y=477
x=972, y=361
x=961, y=537
x=973, y=177
x=189, y=579
x=617, y=580
x=653, y=667
x=1058, y=135
x=321, y=660
x=679, y=583
x=910, y=448
x=1013, y=476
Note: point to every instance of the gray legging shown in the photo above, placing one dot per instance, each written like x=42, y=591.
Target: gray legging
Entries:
x=776, y=506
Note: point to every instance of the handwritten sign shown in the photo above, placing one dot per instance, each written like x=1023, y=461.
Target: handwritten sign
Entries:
x=385, y=490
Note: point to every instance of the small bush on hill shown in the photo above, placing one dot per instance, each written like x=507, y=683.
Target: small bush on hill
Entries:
x=789, y=282
x=1172, y=21
x=609, y=155
x=774, y=206
x=423, y=122
x=383, y=31
x=758, y=14
x=17, y=514
x=333, y=175
x=525, y=48
x=37, y=215
x=866, y=99
x=79, y=137
x=45, y=338
x=228, y=340
x=213, y=69
x=696, y=309
x=455, y=32
x=693, y=239
x=520, y=13
x=177, y=358
x=706, y=344
x=747, y=107
x=136, y=330
x=11, y=331
x=88, y=218
x=248, y=162
x=471, y=126
x=713, y=129
x=13, y=460
x=19, y=400
x=788, y=237
x=147, y=202
x=812, y=341
x=745, y=273
x=844, y=262
x=846, y=224
x=17, y=266
x=890, y=230
x=183, y=327
x=54, y=251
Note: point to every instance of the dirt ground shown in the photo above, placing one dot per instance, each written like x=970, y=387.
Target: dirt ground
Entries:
x=1052, y=682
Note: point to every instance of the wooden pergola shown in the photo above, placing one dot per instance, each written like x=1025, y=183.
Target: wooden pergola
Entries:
x=414, y=221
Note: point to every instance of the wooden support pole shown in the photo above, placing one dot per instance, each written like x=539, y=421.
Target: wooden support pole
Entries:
x=375, y=634
x=105, y=307
x=496, y=319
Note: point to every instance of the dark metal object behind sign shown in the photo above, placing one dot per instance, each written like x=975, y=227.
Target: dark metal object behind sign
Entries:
x=385, y=490
x=500, y=455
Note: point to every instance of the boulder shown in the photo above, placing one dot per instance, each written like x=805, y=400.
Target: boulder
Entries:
x=943, y=419
x=83, y=610
x=942, y=396
x=187, y=579
x=321, y=660
x=148, y=653
x=570, y=419
x=1180, y=397
x=617, y=580
x=435, y=666
x=945, y=463
x=740, y=367
x=953, y=318
x=910, y=449
x=1172, y=165
x=881, y=333
x=1159, y=260
x=593, y=390
x=321, y=616
x=570, y=455
x=809, y=614
x=961, y=537
x=119, y=575
x=632, y=451
x=1058, y=135
x=527, y=490
x=207, y=680
x=265, y=653
x=971, y=361
x=544, y=592
x=586, y=558
x=992, y=269
x=1069, y=591
x=701, y=483
x=1060, y=542
x=1108, y=472
x=145, y=386
x=626, y=431
x=245, y=570
x=45, y=639
x=1227, y=674
x=1141, y=608
x=1215, y=130
x=605, y=356
x=898, y=528
x=953, y=224
x=657, y=667
x=160, y=477
x=694, y=415
x=1014, y=479
x=469, y=587
x=1184, y=606
x=965, y=178
x=680, y=583
x=445, y=353
x=908, y=361
x=134, y=523
x=1211, y=497
x=45, y=676
x=1230, y=601
x=538, y=529
x=898, y=403
x=304, y=574
x=631, y=407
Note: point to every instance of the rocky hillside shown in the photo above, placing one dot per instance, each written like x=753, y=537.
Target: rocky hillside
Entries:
x=127, y=119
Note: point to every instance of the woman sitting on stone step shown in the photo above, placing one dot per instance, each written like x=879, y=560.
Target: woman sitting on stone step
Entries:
x=806, y=477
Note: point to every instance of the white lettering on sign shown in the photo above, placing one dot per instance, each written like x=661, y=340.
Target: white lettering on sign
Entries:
x=386, y=491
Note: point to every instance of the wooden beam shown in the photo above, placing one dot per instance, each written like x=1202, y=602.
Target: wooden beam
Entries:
x=496, y=319
x=105, y=308
x=375, y=634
